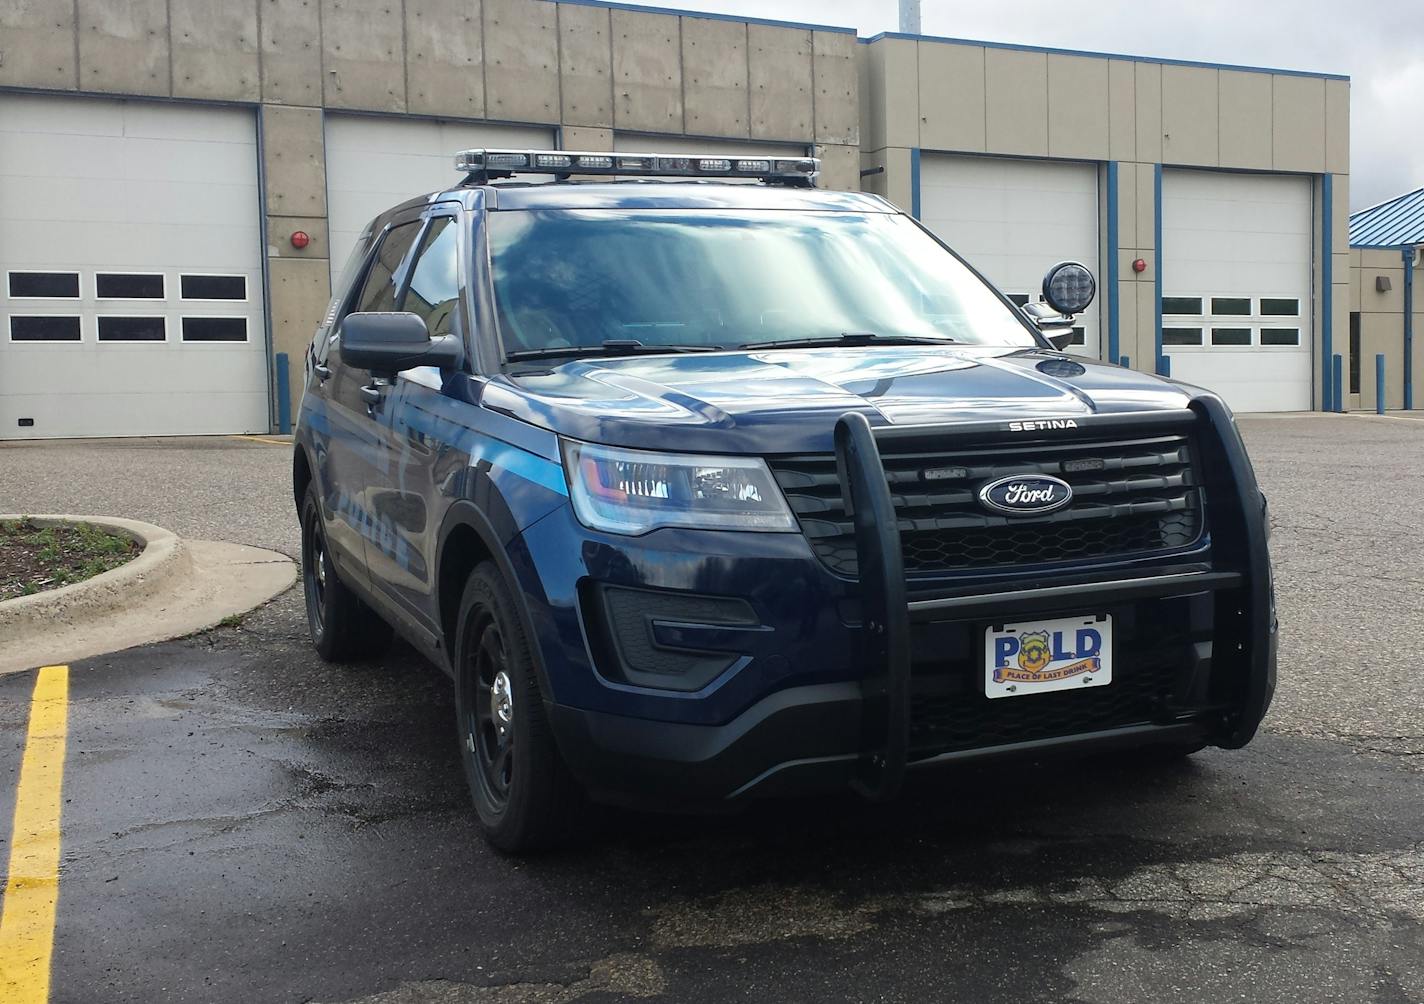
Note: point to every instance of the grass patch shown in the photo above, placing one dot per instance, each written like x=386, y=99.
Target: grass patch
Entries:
x=34, y=558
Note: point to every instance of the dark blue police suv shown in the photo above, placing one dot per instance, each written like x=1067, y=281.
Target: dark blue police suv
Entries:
x=705, y=484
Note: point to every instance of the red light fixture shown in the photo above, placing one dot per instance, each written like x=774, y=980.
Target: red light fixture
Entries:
x=300, y=239
x=1139, y=265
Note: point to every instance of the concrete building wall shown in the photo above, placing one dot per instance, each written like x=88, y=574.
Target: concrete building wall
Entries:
x=1381, y=321
x=584, y=68
x=922, y=95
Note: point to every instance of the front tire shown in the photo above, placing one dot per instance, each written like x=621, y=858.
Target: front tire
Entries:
x=343, y=629
x=523, y=793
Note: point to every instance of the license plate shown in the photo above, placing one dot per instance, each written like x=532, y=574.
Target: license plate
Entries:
x=1036, y=657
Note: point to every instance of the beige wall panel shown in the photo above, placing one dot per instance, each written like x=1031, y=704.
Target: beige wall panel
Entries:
x=1145, y=359
x=1340, y=222
x=586, y=66
x=1189, y=115
x=647, y=72
x=444, y=58
x=1381, y=333
x=123, y=46
x=1126, y=208
x=1354, y=280
x=587, y=138
x=215, y=50
x=1245, y=102
x=951, y=97
x=38, y=45
x=521, y=61
x=1078, y=107
x=1298, y=113
x=1378, y=258
x=1374, y=302
x=1146, y=203
x=714, y=77
x=891, y=94
x=833, y=72
x=1147, y=106
x=1016, y=102
x=875, y=182
x=1122, y=110
x=894, y=181
x=1127, y=334
x=363, y=46
x=840, y=167
x=779, y=82
x=294, y=149
x=279, y=237
x=301, y=289
x=1337, y=126
x=291, y=51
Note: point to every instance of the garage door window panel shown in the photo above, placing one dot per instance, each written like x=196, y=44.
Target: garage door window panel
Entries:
x=1181, y=336
x=44, y=328
x=378, y=292
x=129, y=286
x=1280, y=336
x=434, y=288
x=132, y=329
x=1231, y=336
x=1231, y=306
x=44, y=285
x=214, y=329
x=1279, y=306
x=212, y=287
x=1190, y=306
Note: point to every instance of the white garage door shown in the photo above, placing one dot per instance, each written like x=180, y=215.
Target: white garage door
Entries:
x=130, y=257
x=629, y=142
x=1012, y=219
x=373, y=164
x=1236, y=286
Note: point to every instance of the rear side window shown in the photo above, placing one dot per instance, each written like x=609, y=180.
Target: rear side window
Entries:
x=379, y=291
x=434, y=290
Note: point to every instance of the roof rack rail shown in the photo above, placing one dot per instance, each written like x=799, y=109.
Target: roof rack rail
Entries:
x=483, y=166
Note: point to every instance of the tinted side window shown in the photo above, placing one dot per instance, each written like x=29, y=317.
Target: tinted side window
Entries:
x=379, y=290
x=434, y=290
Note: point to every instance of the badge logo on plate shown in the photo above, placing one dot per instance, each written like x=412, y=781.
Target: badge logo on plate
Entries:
x=1047, y=657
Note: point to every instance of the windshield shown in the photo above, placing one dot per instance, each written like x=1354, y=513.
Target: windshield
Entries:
x=700, y=278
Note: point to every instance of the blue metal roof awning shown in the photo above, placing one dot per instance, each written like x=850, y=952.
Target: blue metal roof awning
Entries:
x=1392, y=224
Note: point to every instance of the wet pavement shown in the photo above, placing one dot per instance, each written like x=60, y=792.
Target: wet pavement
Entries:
x=245, y=823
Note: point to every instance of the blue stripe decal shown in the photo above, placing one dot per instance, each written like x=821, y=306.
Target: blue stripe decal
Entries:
x=1161, y=366
x=1113, y=308
x=1327, y=297
x=915, y=183
x=1408, y=328
x=480, y=446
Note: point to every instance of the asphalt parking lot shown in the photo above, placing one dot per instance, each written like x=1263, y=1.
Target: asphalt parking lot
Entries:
x=242, y=822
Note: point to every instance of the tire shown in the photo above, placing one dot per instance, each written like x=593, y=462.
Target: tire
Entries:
x=523, y=793
x=343, y=628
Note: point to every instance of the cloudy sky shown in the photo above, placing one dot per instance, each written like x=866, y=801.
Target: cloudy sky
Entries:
x=1378, y=43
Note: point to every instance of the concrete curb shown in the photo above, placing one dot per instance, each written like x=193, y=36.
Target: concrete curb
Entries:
x=173, y=588
x=163, y=558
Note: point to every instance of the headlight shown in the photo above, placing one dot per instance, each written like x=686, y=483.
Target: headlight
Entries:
x=634, y=491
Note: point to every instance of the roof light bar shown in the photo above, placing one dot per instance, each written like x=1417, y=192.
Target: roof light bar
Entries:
x=485, y=165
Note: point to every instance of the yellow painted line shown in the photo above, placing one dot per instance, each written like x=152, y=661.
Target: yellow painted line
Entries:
x=262, y=439
x=32, y=889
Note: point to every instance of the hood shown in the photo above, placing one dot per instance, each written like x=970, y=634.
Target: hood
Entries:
x=788, y=400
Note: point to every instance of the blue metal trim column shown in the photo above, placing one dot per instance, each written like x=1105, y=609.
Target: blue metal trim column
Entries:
x=1114, y=321
x=1159, y=364
x=1327, y=296
x=1408, y=328
x=915, y=183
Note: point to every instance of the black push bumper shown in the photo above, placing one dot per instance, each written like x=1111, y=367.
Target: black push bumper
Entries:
x=824, y=737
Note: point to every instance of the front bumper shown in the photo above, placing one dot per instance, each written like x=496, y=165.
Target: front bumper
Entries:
x=853, y=682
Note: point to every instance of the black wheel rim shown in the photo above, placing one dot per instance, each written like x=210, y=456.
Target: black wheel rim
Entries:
x=316, y=569
x=489, y=709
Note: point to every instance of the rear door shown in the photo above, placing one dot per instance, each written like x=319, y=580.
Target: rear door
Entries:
x=353, y=445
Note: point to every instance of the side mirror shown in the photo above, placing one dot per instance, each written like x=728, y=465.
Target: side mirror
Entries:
x=385, y=344
x=1056, y=327
x=1069, y=287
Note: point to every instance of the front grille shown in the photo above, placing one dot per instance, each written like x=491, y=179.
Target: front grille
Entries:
x=1130, y=496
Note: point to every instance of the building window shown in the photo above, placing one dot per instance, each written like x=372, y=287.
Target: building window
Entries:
x=214, y=329
x=213, y=287
x=45, y=285
x=132, y=329
x=1279, y=306
x=1191, y=305
x=47, y=328
x=1181, y=336
x=1354, y=352
x=129, y=285
x=1231, y=306
x=1231, y=336
x=1280, y=336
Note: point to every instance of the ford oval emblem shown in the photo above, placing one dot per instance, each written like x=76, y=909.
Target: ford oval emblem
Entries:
x=1026, y=495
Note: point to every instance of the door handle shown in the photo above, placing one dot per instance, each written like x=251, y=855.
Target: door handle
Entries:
x=322, y=371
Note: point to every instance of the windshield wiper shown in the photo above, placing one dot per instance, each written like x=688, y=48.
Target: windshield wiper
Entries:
x=848, y=338
x=610, y=347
